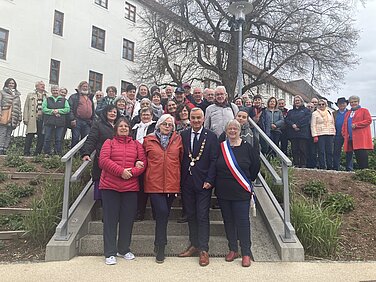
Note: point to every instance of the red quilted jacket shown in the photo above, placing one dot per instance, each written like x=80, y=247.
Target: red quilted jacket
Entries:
x=116, y=155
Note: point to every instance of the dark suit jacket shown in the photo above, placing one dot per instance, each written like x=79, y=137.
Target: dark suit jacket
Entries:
x=204, y=169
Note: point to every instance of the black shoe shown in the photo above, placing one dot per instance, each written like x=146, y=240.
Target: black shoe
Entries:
x=160, y=257
x=182, y=219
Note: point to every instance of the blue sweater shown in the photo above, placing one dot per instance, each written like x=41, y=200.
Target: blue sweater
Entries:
x=340, y=118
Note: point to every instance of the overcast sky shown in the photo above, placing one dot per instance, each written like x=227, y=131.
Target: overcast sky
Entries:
x=362, y=80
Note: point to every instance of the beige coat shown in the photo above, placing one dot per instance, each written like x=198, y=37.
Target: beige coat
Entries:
x=30, y=112
x=321, y=127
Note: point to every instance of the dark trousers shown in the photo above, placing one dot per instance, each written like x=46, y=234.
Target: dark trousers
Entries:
x=337, y=150
x=284, y=142
x=312, y=150
x=325, y=151
x=142, y=198
x=118, y=207
x=361, y=157
x=52, y=132
x=196, y=201
x=299, y=151
x=161, y=206
x=40, y=140
x=237, y=225
x=80, y=131
x=275, y=136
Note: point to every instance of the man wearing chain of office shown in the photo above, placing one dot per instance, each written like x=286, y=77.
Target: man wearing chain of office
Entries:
x=197, y=179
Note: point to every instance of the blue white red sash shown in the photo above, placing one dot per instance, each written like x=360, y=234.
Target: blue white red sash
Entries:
x=234, y=167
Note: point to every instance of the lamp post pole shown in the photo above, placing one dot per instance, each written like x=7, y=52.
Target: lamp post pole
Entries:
x=239, y=9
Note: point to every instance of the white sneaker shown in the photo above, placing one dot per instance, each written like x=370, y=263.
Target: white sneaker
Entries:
x=111, y=260
x=127, y=256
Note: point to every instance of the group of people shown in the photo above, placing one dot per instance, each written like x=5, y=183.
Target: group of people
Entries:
x=161, y=156
x=317, y=134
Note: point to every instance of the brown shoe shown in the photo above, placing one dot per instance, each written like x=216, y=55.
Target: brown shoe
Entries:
x=189, y=252
x=246, y=261
x=204, y=258
x=231, y=256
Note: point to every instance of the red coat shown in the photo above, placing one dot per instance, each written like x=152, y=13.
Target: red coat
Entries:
x=163, y=171
x=116, y=155
x=361, y=134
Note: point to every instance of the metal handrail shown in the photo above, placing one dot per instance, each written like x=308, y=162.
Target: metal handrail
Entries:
x=62, y=232
x=289, y=231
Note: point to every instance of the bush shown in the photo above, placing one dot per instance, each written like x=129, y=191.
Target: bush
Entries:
x=314, y=188
x=3, y=177
x=26, y=168
x=52, y=163
x=316, y=227
x=339, y=202
x=11, y=222
x=366, y=175
x=17, y=191
x=14, y=161
x=7, y=200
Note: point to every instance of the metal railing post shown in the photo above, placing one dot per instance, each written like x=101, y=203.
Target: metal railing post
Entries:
x=286, y=205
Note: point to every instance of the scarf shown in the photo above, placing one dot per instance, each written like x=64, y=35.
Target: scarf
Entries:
x=142, y=130
x=325, y=115
x=157, y=110
x=164, y=139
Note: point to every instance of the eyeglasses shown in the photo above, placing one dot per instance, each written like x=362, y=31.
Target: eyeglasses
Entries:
x=167, y=124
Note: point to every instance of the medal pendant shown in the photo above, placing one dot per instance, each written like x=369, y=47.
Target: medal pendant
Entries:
x=192, y=163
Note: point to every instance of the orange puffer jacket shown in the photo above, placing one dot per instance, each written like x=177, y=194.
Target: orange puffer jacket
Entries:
x=163, y=171
x=116, y=155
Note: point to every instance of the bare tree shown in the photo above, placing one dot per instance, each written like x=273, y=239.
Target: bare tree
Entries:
x=313, y=39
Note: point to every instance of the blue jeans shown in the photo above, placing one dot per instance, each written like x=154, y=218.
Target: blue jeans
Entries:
x=80, y=131
x=161, y=204
x=325, y=148
x=237, y=225
x=48, y=132
x=338, y=143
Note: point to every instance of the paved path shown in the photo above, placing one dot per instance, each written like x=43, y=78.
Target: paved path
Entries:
x=186, y=269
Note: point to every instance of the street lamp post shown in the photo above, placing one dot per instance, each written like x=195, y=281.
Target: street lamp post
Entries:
x=239, y=9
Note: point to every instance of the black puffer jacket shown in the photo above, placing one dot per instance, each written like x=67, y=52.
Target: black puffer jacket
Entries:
x=99, y=132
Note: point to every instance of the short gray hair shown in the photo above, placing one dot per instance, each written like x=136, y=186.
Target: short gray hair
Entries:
x=354, y=97
x=163, y=118
x=196, y=109
x=233, y=122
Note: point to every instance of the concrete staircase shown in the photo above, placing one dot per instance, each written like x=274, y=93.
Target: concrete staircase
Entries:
x=143, y=237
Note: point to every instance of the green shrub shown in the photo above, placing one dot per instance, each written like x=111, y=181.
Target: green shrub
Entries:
x=26, y=168
x=38, y=159
x=317, y=228
x=11, y=222
x=3, y=177
x=52, y=163
x=314, y=188
x=14, y=161
x=19, y=191
x=339, y=202
x=7, y=200
x=366, y=175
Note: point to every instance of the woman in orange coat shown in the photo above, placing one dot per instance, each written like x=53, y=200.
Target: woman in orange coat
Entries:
x=164, y=151
x=356, y=131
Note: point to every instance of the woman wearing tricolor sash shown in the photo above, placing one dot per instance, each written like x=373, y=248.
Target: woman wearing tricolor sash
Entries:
x=237, y=166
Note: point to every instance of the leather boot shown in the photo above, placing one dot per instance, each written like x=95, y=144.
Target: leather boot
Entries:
x=160, y=257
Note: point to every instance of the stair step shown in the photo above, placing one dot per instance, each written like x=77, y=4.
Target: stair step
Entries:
x=147, y=227
x=175, y=213
x=143, y=245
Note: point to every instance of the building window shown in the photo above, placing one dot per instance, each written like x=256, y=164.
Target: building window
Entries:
x=177, y=71
x=58, y=23
x=102, y=3
x=128, y=50
x=98, y=38
x=124, y=85
x=290, y=99
x=176, y=35
x=268, y=89
x=95, y=81
x=284, y=96
x=161, y=66
x=130, y=12
x=276, y=92
x=3, y=43
x=54, y=72
x=207, y=52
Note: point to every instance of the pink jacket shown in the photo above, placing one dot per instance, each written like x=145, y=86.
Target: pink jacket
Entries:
x=116, y=155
